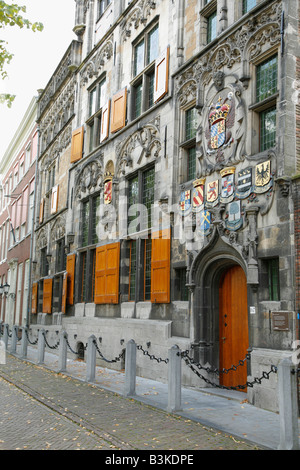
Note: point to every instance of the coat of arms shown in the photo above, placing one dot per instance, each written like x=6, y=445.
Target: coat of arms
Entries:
x=198, y=195
x=244, y=183
x=212, y=193
x=227, y=191
x=185, y=201
x=263, y=180
x=221, y=119
x=108, y=191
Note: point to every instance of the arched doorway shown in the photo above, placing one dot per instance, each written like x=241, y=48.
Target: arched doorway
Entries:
x=233, y=326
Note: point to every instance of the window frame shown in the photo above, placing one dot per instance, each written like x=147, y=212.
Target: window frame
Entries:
x=143, y=77
x=188, y=143
x=95, y=113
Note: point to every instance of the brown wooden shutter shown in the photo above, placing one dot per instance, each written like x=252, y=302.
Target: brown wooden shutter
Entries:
x=64, y=293
x=105, y=122
x=34, y=298
x=54, y=199
x=118, y=110
x=77, y=144
x=161, y=79
x=47, y=296
x=160, y=267
x=71, y=278
x=107, y=274
x=42, y=205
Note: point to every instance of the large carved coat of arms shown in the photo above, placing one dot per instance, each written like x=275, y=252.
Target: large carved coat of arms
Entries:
x=222, y=133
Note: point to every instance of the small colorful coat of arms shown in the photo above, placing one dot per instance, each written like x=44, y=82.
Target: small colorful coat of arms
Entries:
x=198, y=195
x=227, y=190
x=205, y=222
x=185, y=201
x=212, y=193
x=235, y=219
x=263, y=180
x=244, y=183
x=108, y=191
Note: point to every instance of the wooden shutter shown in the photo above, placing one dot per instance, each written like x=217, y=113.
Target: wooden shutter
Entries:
x=118, y=117
x=64, y=293
x=160, y=266
x=42, y=205
x=77, y=144
x=54, y=199
x=105, y=122
x=71, y=278
x=34, y=298
x=112, y=273
x=107, y=274
x=47, y=296
x=161, y=79
x=100, y=272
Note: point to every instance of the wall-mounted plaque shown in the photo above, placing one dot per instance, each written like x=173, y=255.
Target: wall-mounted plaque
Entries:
x=280, y=321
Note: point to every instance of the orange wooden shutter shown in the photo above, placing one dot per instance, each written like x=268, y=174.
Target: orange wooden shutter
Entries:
x=160, y=267
x=64, y=293
x=112, y=273
x=34, y=298
x=161, y=79
x=71, y=278
x=42, y=204
x=107, y=274
x=47, y=296
x=77, y=144
x=54, y=199
x=118, y=118
x=100, y=272
x=105, y=122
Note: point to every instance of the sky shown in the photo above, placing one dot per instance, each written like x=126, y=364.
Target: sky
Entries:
x=36, y=56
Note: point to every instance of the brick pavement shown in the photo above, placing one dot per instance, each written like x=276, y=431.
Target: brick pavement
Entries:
x=60, y=412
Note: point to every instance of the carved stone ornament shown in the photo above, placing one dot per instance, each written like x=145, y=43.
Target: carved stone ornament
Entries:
x=144, y=142
x=42, y=239
x=96, y=63
x=223, y=130
x=58, y=229
x=89, y=178
x=138, y=15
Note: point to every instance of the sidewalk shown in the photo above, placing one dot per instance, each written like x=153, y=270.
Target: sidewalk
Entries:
x=219, y=409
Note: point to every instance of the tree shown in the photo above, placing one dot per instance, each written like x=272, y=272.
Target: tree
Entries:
x=12, y=15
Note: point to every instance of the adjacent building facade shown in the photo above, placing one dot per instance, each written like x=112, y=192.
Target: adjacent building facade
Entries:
x=17, y=191
x=165, y=209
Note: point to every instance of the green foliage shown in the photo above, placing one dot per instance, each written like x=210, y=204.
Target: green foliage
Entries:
x=12, y=15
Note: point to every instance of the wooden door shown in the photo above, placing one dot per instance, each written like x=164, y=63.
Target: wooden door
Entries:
x=233, y=326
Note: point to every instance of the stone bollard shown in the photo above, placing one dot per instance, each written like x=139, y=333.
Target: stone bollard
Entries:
x=41, y=347
x=5, y=334
x=174, y=380
x=14, y=339
x=288, y=405
x=24, y=342
x=91, y=359
x=62, y=357
x=130, y=369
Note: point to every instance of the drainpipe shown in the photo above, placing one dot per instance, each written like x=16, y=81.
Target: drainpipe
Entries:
x=32, y=231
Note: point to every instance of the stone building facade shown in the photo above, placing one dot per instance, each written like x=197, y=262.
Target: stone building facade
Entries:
x=17, y=192
x=164, y=208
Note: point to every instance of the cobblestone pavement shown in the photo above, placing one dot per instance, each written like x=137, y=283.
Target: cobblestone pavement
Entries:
x=41, y=410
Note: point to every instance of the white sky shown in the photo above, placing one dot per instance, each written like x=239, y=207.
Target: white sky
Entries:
x=36, y=56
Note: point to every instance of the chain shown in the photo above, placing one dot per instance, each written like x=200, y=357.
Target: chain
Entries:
x=51, y=347
x=186, y=357
x=118, y=358
x=31, y=342
x=69, y=346
x=257, y=380
x=151, y=356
